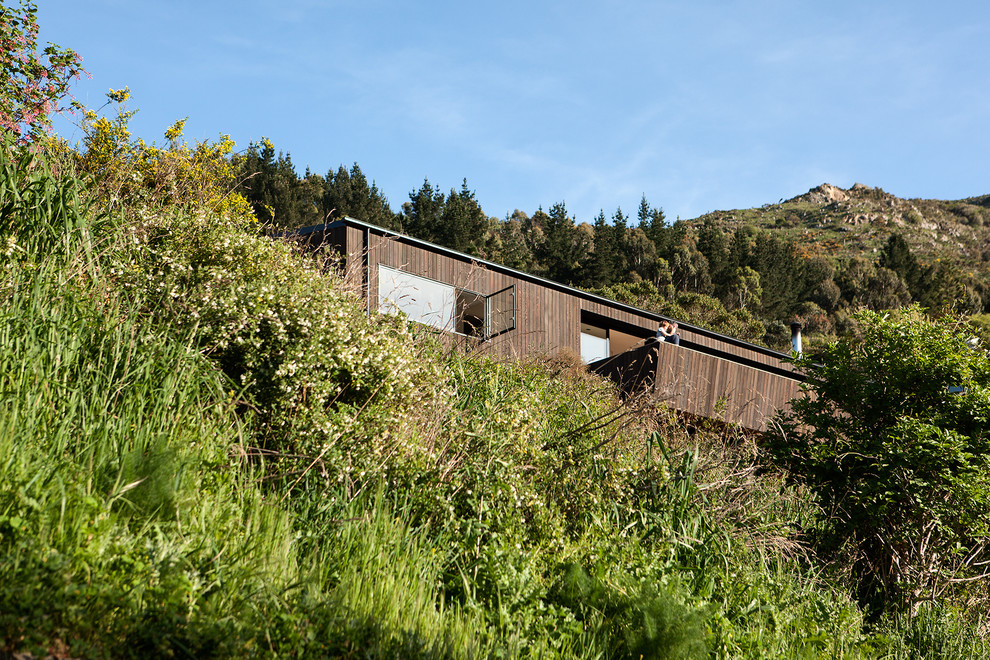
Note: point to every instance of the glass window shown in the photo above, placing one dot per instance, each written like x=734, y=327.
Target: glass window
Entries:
x=423, y=300
x=500, y=311
x=594, y=343
x=444, y=306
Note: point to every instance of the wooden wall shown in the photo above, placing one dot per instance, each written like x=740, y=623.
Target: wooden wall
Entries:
x=708, y=375
x=703, y=384
x=546, y=320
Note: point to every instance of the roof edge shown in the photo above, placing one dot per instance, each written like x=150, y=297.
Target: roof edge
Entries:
x=491, y=265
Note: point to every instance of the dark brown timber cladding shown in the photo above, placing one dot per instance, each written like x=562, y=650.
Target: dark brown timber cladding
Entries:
x=546, y=320
x=710, y=374
x=768, y=358
x=620, y=315
x=701, y=384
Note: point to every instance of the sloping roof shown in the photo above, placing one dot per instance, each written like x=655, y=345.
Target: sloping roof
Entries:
x=490, y=265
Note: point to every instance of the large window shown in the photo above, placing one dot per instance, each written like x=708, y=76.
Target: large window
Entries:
x=444, y=306
x=422, y=300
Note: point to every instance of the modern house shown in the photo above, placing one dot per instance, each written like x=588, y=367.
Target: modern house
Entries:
x=509, y=313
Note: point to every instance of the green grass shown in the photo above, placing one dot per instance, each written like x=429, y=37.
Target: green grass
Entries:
x=520, y=512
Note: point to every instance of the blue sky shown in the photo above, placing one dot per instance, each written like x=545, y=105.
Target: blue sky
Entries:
x=701, y=106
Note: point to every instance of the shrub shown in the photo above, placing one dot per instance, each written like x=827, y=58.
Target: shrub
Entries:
x=133, y=176
x=294, y=340
x=33, y=85
x=642, y=622
x=891, y=436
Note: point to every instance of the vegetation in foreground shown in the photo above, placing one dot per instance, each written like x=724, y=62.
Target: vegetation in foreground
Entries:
x=211, y=451
x=208, y=450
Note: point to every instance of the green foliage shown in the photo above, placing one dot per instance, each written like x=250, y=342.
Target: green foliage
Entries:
x=605, y=263
x=39, y=213
x=642, y=622
x=509, y=243
x=455, y=220
x=278, y=197
x=891, y=437
x=420, y=503
x=562, y=249
x=935, y=631
x=139, y=535
x=119, y=515
x=898, y=257
x=134, y=177
x=34, y=85
x=347, y=193
x=301, y=350
x=281, y=199
x=874, y=287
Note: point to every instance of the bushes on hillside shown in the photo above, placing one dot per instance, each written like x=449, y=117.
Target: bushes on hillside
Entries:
x=122, y=528
x=34, y=85
x=436, y=524
x=294, y=341
x=892, y=437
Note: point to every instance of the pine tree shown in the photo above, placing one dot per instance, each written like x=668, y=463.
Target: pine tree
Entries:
x=510, y=247
x=713, y=245
x=897, y=256
x=422, y=215
x=271, y=185
x=463, y=225
x=564, y=249
x=600, y=269
x=348, y=194
x=620, y=229
x=653, y=224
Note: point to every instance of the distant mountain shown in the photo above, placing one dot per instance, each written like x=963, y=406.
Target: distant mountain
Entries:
x=832, y=221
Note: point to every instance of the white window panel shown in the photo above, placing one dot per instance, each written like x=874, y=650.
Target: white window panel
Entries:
x=594, y=343
x=423, y=300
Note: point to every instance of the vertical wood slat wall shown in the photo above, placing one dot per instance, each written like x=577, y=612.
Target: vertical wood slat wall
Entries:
x=702, y=384
x=548, y=319
x=718, y=388
x=545, y=319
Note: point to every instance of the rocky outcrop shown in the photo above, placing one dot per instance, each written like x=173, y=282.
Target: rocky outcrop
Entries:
x=824, y=194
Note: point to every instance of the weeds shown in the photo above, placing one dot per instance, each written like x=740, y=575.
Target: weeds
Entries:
x=152, y=501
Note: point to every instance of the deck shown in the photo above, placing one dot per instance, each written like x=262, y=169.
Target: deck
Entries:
x=704, y=381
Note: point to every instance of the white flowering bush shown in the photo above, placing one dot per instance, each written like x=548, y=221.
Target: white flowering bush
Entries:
x=319, y=373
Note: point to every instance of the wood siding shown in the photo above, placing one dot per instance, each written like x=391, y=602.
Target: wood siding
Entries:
x=708, y=375
x=702, y=384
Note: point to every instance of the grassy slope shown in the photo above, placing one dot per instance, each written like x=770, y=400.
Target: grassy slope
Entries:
x=151, y=505
x=857, y=222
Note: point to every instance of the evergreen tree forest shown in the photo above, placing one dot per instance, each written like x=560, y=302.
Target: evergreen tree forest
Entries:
x=739, y=278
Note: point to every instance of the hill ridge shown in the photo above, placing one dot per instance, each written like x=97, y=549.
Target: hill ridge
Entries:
x=845, y=222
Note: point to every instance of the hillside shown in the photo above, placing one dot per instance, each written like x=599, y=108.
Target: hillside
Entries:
x=213, y=451
x=832, y=221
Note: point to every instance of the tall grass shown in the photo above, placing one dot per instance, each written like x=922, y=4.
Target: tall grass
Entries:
x=118, y=518
x=521, y=513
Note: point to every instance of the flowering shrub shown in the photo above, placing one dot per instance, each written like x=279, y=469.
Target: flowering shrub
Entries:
x=313, y=365
x=149, y=176
x=33, y=87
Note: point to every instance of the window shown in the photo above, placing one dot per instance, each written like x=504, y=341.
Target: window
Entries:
x=500, y=311
x=422, y=300
x=594, y=343
x=444, y=306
